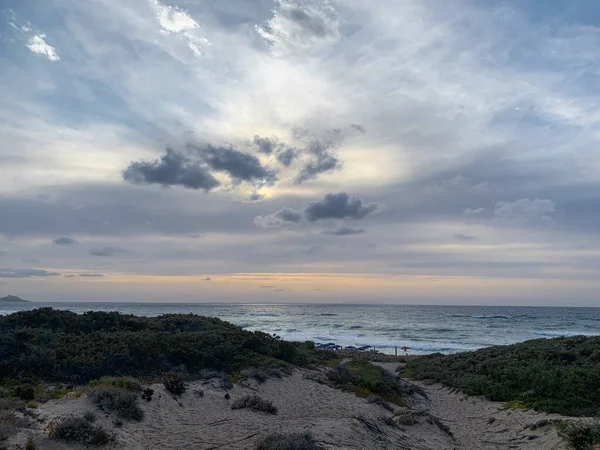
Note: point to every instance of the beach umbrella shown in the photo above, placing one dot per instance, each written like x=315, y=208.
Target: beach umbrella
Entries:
x=405, y=349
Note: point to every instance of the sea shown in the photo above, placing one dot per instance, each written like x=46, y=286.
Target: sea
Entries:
x=423, y=329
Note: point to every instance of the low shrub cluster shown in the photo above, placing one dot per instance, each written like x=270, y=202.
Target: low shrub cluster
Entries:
x=559, y=375
x=127, y=383
x=365, y=380
x=288, y=441
x=8, y=424
x=53, y=345
x=78, y=429
x=174, y=383
x=579, y=435
x=255, y=403
x=120, y=401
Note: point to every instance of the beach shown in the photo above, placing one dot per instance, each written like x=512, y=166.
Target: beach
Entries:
x=441, y=420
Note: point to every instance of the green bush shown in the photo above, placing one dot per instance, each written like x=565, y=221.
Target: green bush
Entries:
x=30, y=445
x=559, y=375
x=174, y=383
x=288, y=441
x=77, y=429
x=579, y=435
x=128, y=383
x=57, y=346
x=255, y=403
x=112, y=399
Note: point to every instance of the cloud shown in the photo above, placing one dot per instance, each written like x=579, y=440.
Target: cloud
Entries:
x=240, y=166
x=265, y=145
x=524, y=210
x=344, y=231
x=287, y=156
x=3, y=254
x=171, y=169
x=338, y=206
x=300, y=26
x=268, y=286
x=26, y=273
x=464, y=237
x=321, y=161
x=473, y=212
x=256, y=197
x=279, y=218
x=37, y=44
x=64, y=241
x=67, y=275
x=207, y=279
x=358, y=127
x=91, y=275
x=107, y=251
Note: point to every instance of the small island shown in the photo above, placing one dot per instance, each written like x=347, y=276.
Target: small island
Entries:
x=12, y=299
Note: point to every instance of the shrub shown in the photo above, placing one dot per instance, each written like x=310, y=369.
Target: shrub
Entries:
x=127, y=383
x=558, y=375
x=8, y=424
x=120, y=401
x=32, y=405
x=255, y=373
x=89, y=416
x=288, y=441
x=77, y=429
x=579, y=435
x=30, y=445
x=25, y=391
x=174, y=383
x=255, y=403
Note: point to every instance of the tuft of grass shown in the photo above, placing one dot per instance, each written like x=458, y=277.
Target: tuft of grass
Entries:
x=255, y=403
x=8, y=424
x=516, y=404
x=112, y=399
x=332, y=362
x=174, y=383
x=579, y=435
x=29, y=444
x=288, y=441
x=77, y=429
x=32, y=405
x=127, y=383
x=89, y=416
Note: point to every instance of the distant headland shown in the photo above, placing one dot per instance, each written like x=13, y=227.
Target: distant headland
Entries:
x=12, y=299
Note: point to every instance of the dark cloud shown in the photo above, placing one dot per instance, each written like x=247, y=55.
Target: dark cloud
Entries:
x=322, y=161
x=279, y=218
x=91, y=275
x=171, y=169
x=287, y=156
x=464, y=237
x=256, y=197
x=265, y=145
x=358, y=127
x=64, y=241
x=240, y=166
x=26, y=273
x=107, y=251
x=311, y=23
x=338, y=206
x=344, y=231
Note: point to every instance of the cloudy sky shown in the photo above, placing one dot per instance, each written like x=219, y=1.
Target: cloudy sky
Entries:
x=388, y=151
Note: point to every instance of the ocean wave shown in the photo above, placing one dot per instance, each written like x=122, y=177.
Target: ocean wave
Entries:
x=263, y=315
x=242, y=325
x=565, y=333
x=327, y=314
x=355, y=327
x=494, y=316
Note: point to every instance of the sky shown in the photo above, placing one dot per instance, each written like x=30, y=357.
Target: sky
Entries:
x=390, y=151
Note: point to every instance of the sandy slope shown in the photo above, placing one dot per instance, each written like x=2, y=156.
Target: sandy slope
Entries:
x=338, y=420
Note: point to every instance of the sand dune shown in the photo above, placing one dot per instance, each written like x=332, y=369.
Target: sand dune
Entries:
x=338, y=420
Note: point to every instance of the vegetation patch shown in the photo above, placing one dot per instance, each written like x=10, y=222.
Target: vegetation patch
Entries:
x=255, y=403
x=288, y=441
x=560, y=375
x=61, y=346
x=579, y=435
x=365, y=380
x=78, y=429
x=120, y=401
x=8, y=424
x=174, y=383
x=127, y=383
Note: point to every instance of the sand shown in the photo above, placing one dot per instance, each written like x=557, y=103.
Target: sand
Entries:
x=338, y=420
